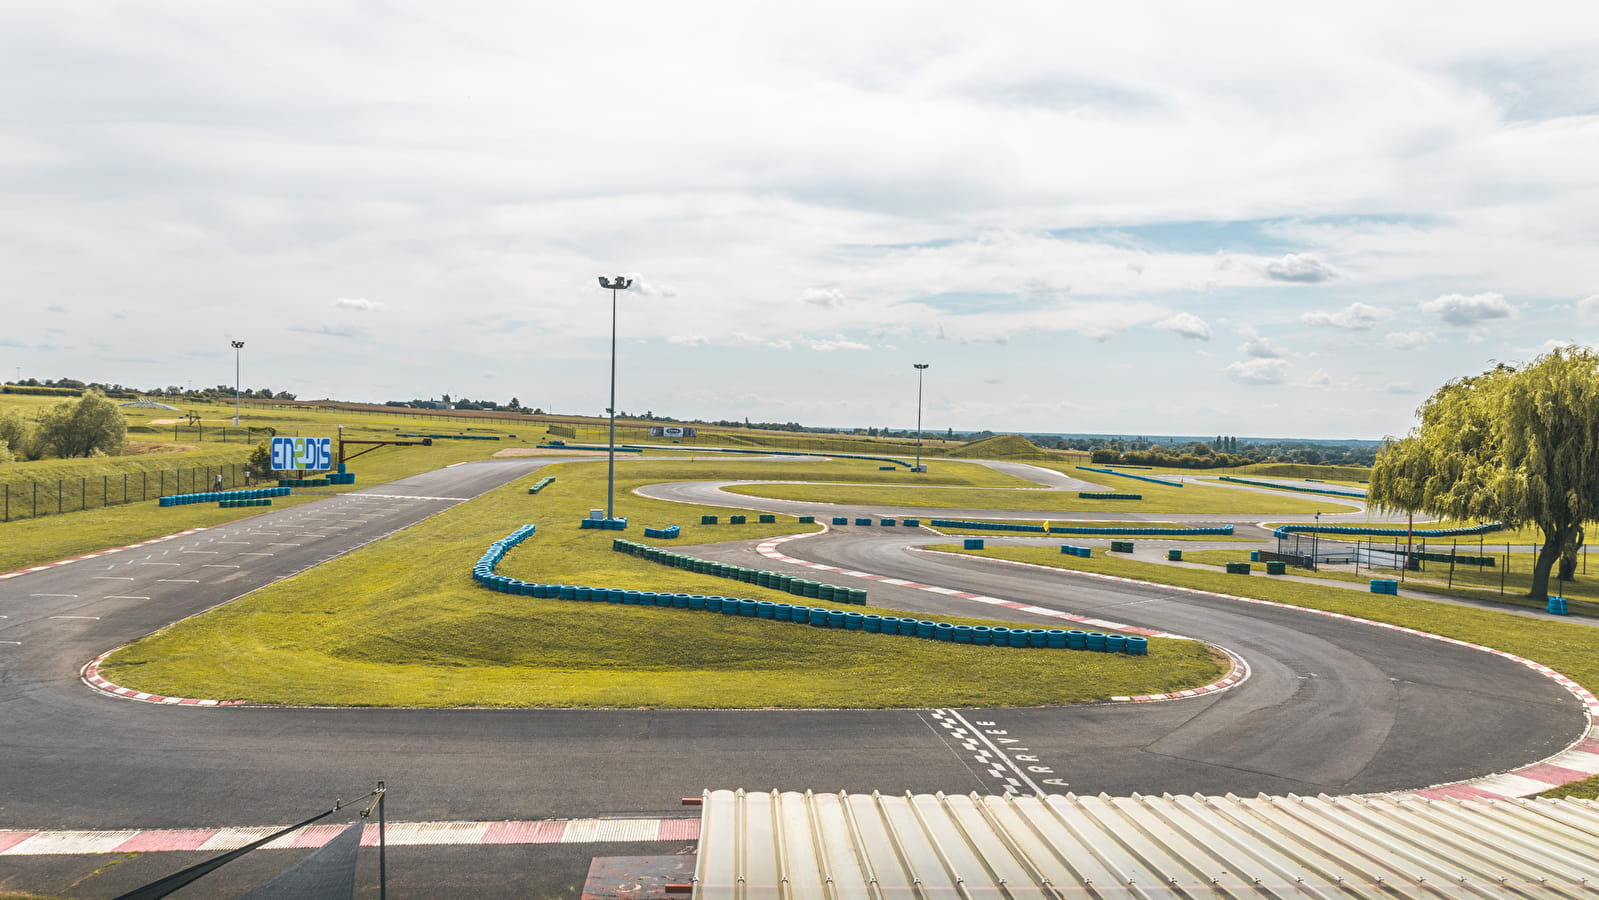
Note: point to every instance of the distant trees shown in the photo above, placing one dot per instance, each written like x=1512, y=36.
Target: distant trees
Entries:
x=16, y=434
x=91, y=424
x=1515, y=445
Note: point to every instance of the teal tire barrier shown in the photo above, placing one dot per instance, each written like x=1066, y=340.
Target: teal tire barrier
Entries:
x=1276, y=567
x=235, y=504
x=341, y=478
x=707, y=520
x=222, y=496
x=617, y=524
x=1071, y=550
x=541, y=484
x=1121, y=546
x=885, y=468
x=863, y=521
x=759, y=577
x=303, y=482
x=1366, y=530
x=735, y=520
x=840, y=520
x=1107, y=495
x=1131, y=475
x=1238, y=568
x=1558, y=606
x=1384, y=586
x=973, y=544
x=911, y=523
x=1289, y=487
x=768, y=520
x=1073, y=529
x=1254, y=556
x=663, y=533
x=1174, y=555
x=886, y=522
x=1031, y=638
x=807, y=520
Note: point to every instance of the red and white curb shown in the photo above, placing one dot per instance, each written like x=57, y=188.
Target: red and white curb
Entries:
x=1580, y=759
x=1237, y=673
x=396, y=834
x=98, y=553
x=91, y=676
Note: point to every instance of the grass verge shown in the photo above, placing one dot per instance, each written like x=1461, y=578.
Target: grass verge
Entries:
x=400, y=623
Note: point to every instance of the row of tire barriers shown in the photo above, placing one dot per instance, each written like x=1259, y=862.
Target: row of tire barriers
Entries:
x=340, y=477
x=765, y=519
x=1073, y=529
x=1284, y=530
x=1457, y=559
x=617, y=524
x=454, y=437
x=1107, y=495
x=982, y=635
x=1289, y=487
x=663, y=533
x=223, y=497
x=759, y=577
x=1131, y=475
x=541, y=484
x=886, y=523
x=1084, y=552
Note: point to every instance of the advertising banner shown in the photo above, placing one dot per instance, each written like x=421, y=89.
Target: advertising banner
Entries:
x=296, y=453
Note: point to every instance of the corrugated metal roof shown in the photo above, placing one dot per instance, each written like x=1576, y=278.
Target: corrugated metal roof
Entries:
x=875, y=847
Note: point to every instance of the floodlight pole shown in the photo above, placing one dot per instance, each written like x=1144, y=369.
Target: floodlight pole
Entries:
x=619, y=284
x=238, y=346
x=920, y=369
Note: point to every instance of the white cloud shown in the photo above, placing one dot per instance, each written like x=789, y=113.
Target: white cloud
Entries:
x=1258, y=371
x=360, y=304
x=1300, y=269
x=1259, y=347
x=1398, y=387
x=1410, y=340
x=1317, y=379
x=836, y=343
x=688, y=340
x=1354, y=317
x=829, y=297
x=1466, y=310
x=1588, y=307
x=1186, y=324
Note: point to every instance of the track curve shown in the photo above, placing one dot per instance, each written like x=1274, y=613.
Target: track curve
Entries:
x=1329, y=707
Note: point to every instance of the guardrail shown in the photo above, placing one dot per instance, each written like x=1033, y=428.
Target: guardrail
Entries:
x=1290, y=487
x=1285, y=530
x=1069, y=529
x=1131, y=475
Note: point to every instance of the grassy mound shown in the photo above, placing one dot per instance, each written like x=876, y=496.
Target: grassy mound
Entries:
x=1000, y=446
x=1293, y=470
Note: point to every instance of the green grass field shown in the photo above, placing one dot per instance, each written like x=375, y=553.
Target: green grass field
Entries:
x=401, y=623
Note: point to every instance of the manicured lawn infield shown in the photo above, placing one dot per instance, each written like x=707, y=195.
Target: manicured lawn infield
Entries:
x=401, y=623
x=1572, y=650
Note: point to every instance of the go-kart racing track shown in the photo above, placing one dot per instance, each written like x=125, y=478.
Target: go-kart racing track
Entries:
x=1329, y=705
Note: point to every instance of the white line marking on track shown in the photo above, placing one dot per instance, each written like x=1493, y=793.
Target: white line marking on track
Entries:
x=52, y=595
x=177, y=581
x=125, y=597
x=96, y=618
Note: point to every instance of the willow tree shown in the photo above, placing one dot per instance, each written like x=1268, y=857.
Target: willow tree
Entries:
x=1519, y=445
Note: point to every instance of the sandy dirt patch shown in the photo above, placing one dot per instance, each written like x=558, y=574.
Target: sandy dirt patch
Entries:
x=546, y=451
x=148, y=448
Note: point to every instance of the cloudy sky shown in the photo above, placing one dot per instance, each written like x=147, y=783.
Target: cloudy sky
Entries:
x=1266, y=219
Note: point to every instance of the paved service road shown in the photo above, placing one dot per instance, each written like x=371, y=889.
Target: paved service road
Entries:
x=1331, y=706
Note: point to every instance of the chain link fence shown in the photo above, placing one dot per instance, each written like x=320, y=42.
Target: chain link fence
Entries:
x=53, y=496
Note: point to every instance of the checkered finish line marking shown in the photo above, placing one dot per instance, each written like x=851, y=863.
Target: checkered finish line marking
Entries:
x=97, y=553
x=398, y=834
x=1578, y=761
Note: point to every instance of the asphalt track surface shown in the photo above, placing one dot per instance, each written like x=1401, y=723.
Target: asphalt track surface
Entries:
x=1330, y=706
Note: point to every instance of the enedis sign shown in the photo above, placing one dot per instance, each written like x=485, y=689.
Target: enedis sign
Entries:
x=302, y=453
